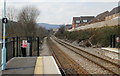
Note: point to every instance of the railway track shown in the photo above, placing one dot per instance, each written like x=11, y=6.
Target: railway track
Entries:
x=103, y=63
x=68, y=66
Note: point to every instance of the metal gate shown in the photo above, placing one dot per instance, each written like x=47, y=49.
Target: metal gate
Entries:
x=14, y=47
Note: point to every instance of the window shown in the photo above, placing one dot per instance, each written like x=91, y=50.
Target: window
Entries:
x=85, y=20
x=77, y=21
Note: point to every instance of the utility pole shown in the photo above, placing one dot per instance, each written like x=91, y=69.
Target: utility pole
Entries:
x=4, y=21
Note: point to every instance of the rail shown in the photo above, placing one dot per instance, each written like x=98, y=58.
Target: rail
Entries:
x=72, y=48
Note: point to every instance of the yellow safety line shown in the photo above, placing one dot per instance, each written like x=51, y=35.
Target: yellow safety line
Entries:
x=4, y=37
x=38, y=66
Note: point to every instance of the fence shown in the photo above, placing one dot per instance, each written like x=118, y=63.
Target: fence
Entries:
x=13, y=47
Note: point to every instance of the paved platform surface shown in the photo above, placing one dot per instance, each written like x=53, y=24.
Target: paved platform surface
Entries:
x=117, y=50
x=32, y=66
x=50, y=66
x=45, y=49
x=22, y=65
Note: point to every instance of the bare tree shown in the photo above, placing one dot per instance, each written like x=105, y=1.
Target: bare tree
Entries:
x=27, y=20
x=41, y=32
x=12, y=13
x=26, y=23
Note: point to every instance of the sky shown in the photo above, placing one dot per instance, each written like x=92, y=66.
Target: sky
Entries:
x=62, y=11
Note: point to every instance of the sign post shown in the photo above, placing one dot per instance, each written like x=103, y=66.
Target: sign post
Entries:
x=4, y=37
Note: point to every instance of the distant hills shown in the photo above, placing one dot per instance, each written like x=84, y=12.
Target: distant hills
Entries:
x=48, y=26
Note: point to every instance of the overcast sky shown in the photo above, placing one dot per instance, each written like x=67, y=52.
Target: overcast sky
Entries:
x=62, y=11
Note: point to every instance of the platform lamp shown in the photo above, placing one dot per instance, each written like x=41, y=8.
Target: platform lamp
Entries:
x=4, y=21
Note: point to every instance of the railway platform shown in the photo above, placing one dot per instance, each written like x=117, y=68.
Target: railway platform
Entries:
x=116, y=50
x=31, y=66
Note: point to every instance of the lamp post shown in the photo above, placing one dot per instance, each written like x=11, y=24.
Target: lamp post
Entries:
x=4, y=37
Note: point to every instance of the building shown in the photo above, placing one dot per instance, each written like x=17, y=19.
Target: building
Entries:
x=100, y=17
x=115, y=12
x=68, y=27
x=75, y=22
x=79, y=21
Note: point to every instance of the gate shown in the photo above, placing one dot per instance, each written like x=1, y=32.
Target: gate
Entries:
x=14, y=47
x=115, y=41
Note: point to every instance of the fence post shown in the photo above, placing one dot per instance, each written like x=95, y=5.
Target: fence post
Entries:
x=114, y=43
x=111, y=41
x=38, y=46
x=13, y=47
x=30, y=41
x=17, y=46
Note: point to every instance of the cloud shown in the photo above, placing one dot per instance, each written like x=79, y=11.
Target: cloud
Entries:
x=62, y=12
x=60, y=0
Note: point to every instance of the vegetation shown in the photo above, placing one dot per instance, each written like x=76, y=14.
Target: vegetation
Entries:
x=26, y=24
x=96, y=36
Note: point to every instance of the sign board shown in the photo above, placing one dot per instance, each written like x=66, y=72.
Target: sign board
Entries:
x=24, y=43
x=4, y=20
x=117, y=39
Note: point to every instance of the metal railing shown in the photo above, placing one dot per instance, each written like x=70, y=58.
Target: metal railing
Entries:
x=13, y=47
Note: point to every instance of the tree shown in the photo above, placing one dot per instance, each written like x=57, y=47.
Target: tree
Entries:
x=25, y=24
x=61, y=32
x=27, y=20
x=42, y=32
x=12, y=13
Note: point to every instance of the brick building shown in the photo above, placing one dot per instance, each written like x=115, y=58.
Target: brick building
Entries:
x=68, y=27
x=79, y=21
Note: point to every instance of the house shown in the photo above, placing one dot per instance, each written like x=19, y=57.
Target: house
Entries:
x=86, y=19
x=75, y=22
x=79, y=21
x=100, y=17
x=68, y=27
x=115, y=12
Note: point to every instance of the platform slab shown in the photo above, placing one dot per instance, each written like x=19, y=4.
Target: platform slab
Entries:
x=32, y=66
x=20, y=65
x=117, y=50
x=45, y=49
x=39, y=66
x=50, y=66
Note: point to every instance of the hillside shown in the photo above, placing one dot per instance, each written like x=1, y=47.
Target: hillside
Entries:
x=92, y=37
x=48, y=26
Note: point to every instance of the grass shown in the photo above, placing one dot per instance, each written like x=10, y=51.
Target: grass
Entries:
x=97, y=36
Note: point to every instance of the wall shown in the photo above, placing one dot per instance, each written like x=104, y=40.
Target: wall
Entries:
x=112, y=16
